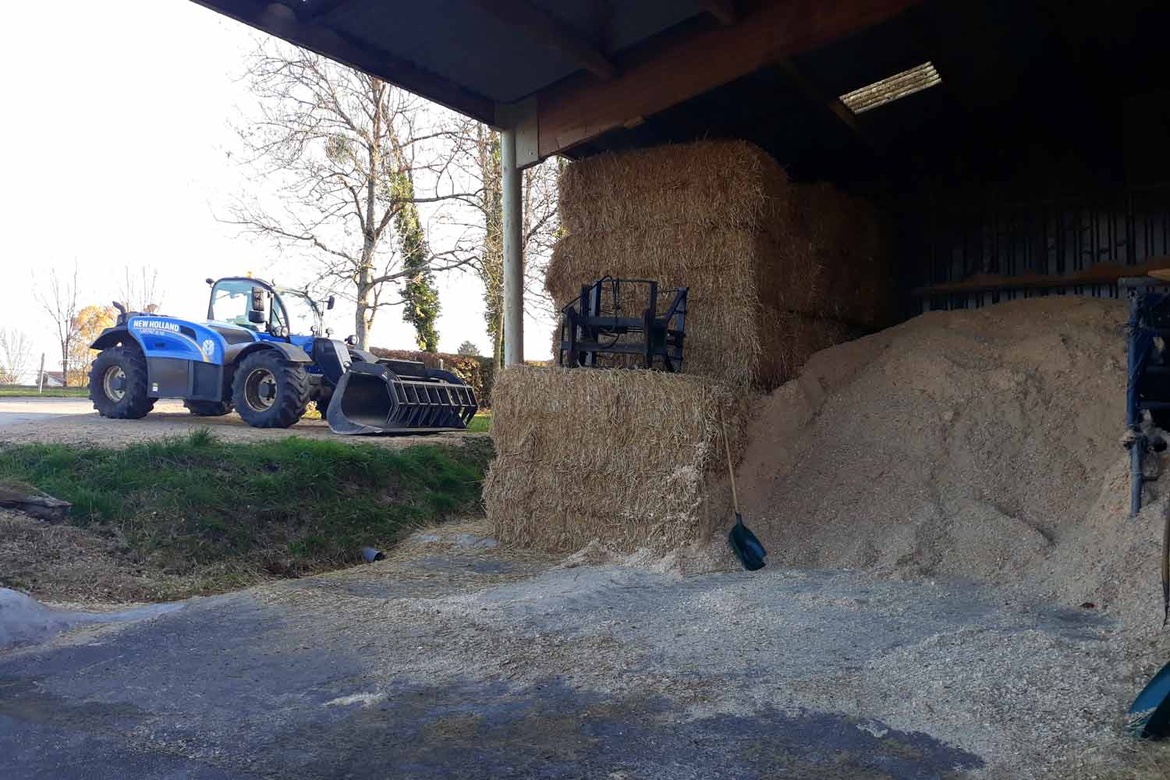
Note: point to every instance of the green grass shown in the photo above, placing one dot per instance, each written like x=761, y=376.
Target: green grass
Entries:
x=20, y=391
x=481, y=423
x=283, y=508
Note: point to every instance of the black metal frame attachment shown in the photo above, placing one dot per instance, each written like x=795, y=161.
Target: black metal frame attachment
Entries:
x=594, y=326
x=1147, y=402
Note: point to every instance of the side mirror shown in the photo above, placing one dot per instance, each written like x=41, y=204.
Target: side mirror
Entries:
x=329, y=304
x=209, y=281
x=258, y=310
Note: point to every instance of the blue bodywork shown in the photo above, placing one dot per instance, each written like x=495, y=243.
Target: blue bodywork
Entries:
x=193, y=360
x=196, y=360
x=167, y=337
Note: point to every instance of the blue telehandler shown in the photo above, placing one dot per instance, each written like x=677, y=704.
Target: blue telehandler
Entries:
x=263, y=352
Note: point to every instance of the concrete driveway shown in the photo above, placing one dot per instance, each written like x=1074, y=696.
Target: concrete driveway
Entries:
x=472, y=664
x=14, y=411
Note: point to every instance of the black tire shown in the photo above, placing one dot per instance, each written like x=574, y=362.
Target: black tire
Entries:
x=208, y=408
x=117, y=384
x=269, y=391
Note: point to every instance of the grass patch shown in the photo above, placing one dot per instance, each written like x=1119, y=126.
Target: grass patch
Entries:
x=482, y=422
x=20, y=391
x=280, y=508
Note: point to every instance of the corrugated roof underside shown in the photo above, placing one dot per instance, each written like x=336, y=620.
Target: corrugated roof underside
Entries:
x=462, y=42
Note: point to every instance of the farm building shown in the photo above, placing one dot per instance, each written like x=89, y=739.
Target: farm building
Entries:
x=52, y=379
x=811, y=172
x=901, y=226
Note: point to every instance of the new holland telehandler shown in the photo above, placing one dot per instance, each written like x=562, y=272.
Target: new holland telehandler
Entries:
x=263, y=352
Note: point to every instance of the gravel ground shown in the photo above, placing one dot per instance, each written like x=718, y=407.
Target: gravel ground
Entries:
x=170, y=418
x=455, y=660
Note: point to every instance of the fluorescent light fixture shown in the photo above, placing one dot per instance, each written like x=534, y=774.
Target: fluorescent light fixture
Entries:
x=891, y=88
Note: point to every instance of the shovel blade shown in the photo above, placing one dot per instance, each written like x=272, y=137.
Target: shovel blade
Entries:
x=748, y=549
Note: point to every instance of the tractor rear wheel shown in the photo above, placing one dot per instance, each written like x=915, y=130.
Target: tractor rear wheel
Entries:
x=270, y=391
x=117, y=384
x=208, y=408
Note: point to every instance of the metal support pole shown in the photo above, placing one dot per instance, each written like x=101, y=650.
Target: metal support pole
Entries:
x=513, y=251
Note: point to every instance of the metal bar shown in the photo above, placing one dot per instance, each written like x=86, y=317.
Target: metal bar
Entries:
x=513, y=251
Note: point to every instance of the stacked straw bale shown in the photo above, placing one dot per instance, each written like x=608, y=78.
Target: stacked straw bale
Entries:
x=775, y=270
x=631, y=458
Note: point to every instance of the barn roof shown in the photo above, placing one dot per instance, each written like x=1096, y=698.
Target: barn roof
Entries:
x=578, y=76
x=570, y=69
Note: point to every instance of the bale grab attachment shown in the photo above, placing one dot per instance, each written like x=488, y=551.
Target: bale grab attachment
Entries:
x=399, y=396
x=597, y=331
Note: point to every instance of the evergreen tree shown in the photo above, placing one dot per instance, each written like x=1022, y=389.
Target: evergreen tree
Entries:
x=420, y=296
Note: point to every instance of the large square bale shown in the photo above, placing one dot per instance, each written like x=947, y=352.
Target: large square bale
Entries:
x=631, y=458
x=757, y=252
x=720, y=184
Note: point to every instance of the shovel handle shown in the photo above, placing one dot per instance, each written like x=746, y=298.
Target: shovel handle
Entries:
x=730, y=468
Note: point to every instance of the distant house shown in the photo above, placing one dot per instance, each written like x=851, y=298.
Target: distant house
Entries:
x=53, y=379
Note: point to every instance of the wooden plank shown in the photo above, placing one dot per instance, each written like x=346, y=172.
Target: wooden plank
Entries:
x=576, y=112
x=551, y=32
x=1101, y=273
x=282, y=22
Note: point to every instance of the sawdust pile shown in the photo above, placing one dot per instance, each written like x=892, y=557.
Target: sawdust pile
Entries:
x=633, y=459
x=978, y=444
x=775, y=270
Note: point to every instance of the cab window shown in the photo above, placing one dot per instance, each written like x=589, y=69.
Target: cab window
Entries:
x=229, y=303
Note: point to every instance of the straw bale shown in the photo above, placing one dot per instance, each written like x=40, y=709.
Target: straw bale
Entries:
x=722, y=302
x=705, y=184
x=839, y=244
x=631, y=458
x=734, y=332
x=772, y=267
x=789, y=339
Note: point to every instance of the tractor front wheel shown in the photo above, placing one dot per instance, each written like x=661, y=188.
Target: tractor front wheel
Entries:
x=208, y=408
x=117, y=384
x=270, y=391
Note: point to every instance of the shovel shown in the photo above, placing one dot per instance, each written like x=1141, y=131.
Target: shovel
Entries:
x=1166, y=570
x=747, y=547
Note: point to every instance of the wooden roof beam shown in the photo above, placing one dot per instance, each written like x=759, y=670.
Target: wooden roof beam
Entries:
x=575, y=111
x=723, y=10
x=546, y=29
x=833, y=103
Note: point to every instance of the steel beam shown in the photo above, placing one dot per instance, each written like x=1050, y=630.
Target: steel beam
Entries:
x=513, y=250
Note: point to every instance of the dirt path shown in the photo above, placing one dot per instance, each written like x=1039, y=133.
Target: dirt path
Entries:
x=73, y=421
x=455, y=660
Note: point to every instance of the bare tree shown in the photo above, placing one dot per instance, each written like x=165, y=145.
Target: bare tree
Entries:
x=480, y=162
x=340, y=143
x=542, y=228
x=139, y=289
x=15, y=352
x=59, y=301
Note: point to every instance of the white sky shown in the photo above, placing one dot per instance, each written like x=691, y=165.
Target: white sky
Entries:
x=114, y=149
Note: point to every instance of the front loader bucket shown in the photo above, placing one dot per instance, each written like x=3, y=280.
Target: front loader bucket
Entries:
x=370, y=398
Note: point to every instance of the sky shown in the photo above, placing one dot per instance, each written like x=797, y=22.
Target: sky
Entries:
x=115, y=151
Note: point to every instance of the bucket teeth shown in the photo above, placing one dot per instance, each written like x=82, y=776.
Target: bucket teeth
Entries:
x=370, y=398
